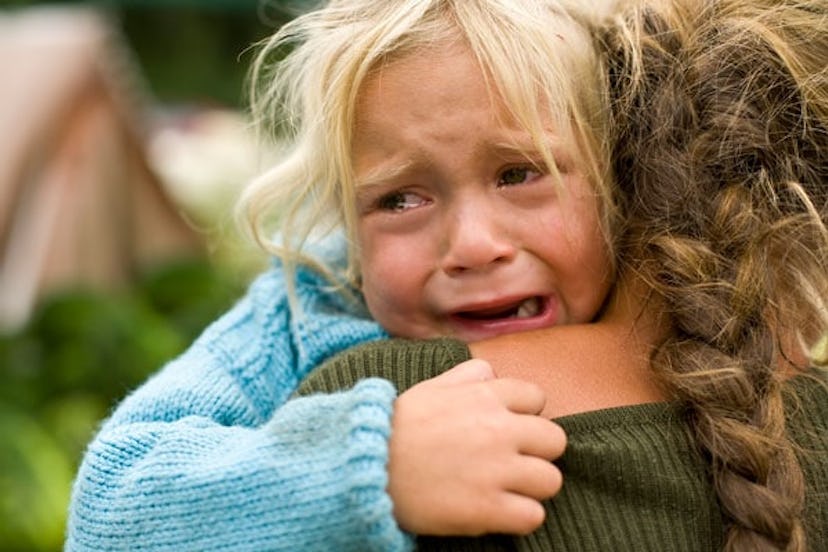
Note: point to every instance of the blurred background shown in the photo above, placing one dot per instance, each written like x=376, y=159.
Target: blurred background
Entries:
x=123, y=145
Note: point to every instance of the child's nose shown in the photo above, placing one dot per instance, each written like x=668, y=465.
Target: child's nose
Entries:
x=474, y=241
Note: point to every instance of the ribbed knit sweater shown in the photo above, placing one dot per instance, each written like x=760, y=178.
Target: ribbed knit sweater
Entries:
x=633, y=480
x=204, y=456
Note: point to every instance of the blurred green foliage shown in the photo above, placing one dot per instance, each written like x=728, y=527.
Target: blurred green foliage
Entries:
x=63, y=372
x=191, y=54
x=84, y=350
x=191, y=50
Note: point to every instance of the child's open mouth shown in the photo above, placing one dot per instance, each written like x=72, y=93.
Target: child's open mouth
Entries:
x=530, y=313
x=526, y=308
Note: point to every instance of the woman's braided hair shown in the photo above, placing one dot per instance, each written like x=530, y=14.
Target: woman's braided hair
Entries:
x=722, y=162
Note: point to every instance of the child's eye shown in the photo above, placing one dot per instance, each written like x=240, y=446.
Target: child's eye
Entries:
x=400, y=201
x=517, y=175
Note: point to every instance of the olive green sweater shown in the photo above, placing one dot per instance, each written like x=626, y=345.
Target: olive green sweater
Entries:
x=633, y=479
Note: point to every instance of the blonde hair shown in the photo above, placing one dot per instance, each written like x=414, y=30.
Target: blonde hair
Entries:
x=535, y=57
x=722, y=158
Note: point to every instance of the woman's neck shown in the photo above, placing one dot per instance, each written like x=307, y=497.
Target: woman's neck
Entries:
x=588, y=366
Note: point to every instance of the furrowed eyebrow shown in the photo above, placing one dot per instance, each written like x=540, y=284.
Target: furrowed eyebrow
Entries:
x=512, y=148
x=559, y=151
x=382, y=174
x=527, y=147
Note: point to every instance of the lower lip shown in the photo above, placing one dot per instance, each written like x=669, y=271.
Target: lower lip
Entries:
x=476, y=330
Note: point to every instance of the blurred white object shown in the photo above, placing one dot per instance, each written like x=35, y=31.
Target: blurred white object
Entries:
x=79, y=203
x=205, y=157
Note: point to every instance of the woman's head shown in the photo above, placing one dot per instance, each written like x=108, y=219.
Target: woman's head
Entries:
x=536, y=60
x=722, y=157
x=722, y=110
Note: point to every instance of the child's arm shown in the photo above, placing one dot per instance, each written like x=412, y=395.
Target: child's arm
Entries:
x=578, y=368
x=468, y=453
x=447, y=466
x=203, y=456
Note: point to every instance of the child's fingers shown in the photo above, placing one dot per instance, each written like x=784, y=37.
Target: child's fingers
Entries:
x=471, y=371
x=462, y=442
x=516, y=395
x=519, y=396
x=534, y=477
x=516, y=514
x=536, y=436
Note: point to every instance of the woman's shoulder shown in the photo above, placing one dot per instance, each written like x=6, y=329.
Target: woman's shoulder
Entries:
x=805, y=400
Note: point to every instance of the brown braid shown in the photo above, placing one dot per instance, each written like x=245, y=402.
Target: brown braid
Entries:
x=722, y=161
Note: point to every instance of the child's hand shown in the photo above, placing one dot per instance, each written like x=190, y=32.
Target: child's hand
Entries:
x=469, y=454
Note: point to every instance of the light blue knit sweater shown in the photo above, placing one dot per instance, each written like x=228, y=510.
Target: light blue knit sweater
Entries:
x=206, y=455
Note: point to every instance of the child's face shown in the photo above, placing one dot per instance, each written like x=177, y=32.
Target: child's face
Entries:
x=460, y=235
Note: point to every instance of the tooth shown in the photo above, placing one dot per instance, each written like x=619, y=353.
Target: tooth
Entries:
x=528, y=308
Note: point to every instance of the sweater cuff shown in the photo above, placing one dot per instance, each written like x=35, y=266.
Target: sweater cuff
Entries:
x=329, y=456
x=366, y=466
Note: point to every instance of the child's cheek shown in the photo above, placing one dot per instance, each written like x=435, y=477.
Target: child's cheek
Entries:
x=393, y=287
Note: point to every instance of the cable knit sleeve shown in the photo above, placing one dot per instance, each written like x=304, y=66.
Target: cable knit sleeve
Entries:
x=210, y=455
